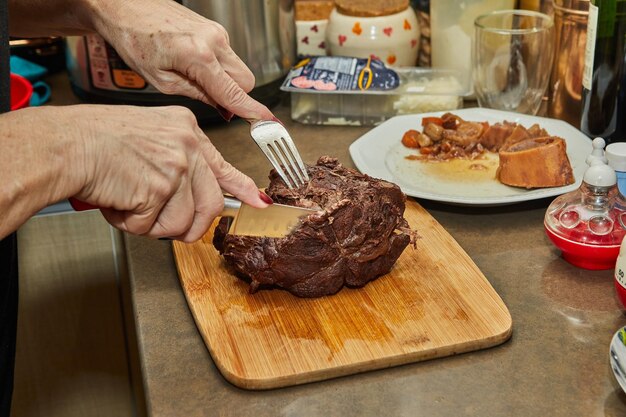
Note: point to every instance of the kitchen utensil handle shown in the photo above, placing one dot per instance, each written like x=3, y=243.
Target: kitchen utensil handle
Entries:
x=231, y=206
x=78, y=205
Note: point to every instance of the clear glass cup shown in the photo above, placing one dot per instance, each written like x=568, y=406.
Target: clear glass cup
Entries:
x=513, y=55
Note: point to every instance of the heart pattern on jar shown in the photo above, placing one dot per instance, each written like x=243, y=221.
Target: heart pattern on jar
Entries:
x=305, y=40
x=387, y=31
x=413, y=43
x=314, y=28
x=391, y=59
x=322, y=45
x=356, y=29
x=342, y=39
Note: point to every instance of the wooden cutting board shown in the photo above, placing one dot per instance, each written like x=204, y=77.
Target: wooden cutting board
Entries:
x=435, y=302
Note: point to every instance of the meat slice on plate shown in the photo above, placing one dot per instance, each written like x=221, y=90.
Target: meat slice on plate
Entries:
x=496, y=135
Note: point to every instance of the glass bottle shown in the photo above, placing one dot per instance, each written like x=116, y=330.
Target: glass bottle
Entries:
x=604, y=77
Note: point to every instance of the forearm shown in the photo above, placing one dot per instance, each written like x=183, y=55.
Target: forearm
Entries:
x=40, y=162
x=36, y=18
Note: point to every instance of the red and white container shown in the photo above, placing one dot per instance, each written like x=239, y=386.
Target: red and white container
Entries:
x=589, y=224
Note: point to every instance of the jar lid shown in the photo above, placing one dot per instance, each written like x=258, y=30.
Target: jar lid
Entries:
x=311, y=10
x=616, y=154
x=370, y=8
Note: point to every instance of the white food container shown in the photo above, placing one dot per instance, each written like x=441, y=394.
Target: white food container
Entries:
x=421, y=90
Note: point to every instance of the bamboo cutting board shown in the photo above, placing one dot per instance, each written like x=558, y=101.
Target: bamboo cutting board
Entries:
x=435, y=302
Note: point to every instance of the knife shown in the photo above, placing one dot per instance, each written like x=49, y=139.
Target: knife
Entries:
x=276, y=220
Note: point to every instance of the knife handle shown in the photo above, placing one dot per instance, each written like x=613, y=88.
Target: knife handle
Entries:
x=231, y=206
x=78, y=205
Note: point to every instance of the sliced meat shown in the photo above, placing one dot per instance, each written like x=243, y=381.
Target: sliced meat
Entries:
x=495, y=136
x=517, y=135
x=536, y=131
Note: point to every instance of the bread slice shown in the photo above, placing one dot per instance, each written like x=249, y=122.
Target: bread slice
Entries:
x=535, y=163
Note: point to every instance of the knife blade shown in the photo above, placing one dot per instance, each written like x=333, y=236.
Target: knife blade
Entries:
x=276, y=220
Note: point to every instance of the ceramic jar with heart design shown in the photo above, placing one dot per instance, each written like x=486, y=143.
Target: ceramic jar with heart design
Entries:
x=311, y=36
x=391, y=35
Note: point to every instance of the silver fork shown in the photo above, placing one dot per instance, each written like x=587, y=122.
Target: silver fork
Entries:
x=278, y=147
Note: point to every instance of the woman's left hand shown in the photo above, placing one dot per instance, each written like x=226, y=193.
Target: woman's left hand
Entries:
x=180, y=52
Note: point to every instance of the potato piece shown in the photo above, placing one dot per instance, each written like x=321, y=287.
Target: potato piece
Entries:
x=424, y=140
x=434, y=131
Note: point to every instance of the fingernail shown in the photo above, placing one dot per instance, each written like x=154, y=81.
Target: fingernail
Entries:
x=226, y=115
x=276, y=119
x=165, y=238
x=266, y=198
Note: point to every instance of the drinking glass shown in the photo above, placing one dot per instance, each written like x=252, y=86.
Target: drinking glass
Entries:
x=513, y=55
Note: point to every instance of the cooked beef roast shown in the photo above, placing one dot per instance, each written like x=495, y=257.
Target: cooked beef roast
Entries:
x=356, y=235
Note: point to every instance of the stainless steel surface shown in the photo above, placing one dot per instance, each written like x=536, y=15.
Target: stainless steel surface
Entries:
x=278, y=147
x=262, y=32
x=276, y=220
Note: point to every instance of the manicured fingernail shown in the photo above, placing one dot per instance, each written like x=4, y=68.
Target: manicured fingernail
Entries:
x=165, y=238
x=266, y=198
x=226, y=115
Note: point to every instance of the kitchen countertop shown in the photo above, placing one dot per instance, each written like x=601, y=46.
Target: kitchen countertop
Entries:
x=555, y=364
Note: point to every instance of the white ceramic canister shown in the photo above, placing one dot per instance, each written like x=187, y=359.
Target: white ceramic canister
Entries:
x=452, y=30
x=392, y=38
x=311, y=37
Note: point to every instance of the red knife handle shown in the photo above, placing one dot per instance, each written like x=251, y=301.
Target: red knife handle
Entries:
x=81, y=205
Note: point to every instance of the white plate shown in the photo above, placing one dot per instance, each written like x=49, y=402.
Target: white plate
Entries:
x=380, y=153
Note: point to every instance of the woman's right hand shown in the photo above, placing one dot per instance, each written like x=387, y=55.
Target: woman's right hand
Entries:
x=152, y=170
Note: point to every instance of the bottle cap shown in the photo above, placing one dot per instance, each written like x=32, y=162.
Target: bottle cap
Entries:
x=600, y=174
x=616, y=154
x=598, y=151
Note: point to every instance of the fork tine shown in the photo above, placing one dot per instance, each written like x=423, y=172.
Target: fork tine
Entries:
x=279, y=148
x=270, y=155
x=278, y=151
x=299, y=164
x=293, y=167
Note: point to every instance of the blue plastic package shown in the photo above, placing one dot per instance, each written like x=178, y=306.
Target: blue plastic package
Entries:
x=324, y=73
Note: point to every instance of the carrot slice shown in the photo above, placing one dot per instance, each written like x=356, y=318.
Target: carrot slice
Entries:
x=409, y=139
x=435, y=120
